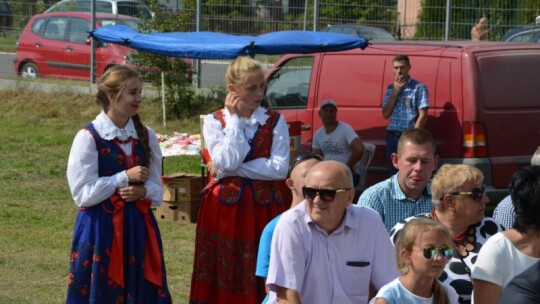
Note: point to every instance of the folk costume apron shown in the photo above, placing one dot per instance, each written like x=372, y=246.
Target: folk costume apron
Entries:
x=232, y=216
x=117, y=254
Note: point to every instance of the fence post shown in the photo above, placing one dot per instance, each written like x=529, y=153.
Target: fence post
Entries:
x=447, y=22
x=315, y=15
x=92, y=44
x=198, y=61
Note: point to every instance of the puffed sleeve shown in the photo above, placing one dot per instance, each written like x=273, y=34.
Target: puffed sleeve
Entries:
x=154, y=187
x=228, y=147
x=87, y=188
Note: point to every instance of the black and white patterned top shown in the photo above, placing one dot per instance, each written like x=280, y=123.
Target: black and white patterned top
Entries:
x=455, y=273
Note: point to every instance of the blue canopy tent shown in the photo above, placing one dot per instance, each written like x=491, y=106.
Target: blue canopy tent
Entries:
x=209, y=45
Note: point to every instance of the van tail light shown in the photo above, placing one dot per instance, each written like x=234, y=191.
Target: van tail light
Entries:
x=474, y=139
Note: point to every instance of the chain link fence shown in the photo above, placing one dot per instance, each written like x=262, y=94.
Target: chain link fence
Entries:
x=405, y=19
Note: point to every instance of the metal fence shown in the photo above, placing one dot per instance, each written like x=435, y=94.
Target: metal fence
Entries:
x=405, y=19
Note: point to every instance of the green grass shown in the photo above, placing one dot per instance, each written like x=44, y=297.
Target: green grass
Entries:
x=8, y=42
x=37, y=213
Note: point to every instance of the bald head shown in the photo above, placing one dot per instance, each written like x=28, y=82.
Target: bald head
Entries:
x=329, y=191
x=332, y=170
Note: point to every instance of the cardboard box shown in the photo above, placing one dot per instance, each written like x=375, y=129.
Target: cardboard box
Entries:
x=181, y=187
x=184, y=212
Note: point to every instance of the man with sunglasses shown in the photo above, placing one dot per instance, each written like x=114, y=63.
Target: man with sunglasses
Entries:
x=407, y=192
x=297, y=177
x=326, y=250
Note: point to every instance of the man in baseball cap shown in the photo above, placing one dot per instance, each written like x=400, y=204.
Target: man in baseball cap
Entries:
x=337, y=140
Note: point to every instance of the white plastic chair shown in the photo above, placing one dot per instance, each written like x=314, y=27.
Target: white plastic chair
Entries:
x=364, y=162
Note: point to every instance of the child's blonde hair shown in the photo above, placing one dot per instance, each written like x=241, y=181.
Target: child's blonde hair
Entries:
x=241, y=68
x=406, y=240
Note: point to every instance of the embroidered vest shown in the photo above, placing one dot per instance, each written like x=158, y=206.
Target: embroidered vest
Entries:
x=264, y=192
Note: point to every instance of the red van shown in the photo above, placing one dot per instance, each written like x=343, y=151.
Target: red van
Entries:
x=484, y=99
x=57, y=45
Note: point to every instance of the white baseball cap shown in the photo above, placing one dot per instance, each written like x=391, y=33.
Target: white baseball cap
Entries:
x=327, y=102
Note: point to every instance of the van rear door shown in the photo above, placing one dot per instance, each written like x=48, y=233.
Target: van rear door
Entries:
x=508, y=105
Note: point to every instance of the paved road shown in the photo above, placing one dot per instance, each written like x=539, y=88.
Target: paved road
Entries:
x=212, y=71
x=6, y=64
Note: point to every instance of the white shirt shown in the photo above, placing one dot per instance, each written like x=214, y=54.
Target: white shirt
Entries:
x=395, y=293
x=87, y=188
x=330, y=268
x=336, y=145
x=229, y=146
x=499, y=261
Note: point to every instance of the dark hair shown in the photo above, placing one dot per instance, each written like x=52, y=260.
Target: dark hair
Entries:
x=303, y=157
x=113, y=82
x=525, y=192
x=402, y=57
x=417, y=136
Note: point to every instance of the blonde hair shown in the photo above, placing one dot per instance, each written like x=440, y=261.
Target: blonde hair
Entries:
x=405, y=243
x=241, y=68
x=451, y=178
x=113, y=82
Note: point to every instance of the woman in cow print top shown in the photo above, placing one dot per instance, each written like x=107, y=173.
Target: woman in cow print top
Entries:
x=459, y=201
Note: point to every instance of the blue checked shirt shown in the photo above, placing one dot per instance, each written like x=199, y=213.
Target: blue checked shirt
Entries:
x=390, y=202
x=504, y=212
x=412, y=98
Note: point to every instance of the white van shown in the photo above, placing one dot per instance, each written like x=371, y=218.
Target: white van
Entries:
x=131, y=8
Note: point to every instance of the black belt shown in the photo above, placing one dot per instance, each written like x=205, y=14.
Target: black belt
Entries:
x=394, y=133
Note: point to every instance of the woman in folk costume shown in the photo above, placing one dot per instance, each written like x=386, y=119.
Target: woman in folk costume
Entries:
x=114, y=173
x=249, y=151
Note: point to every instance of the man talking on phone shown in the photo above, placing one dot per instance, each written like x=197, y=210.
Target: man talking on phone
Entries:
x=405, y=104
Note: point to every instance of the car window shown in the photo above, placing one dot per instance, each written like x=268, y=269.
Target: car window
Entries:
x=288, y=85
x=56, y=28
x=37, y=26
x=522, y=37
x=133, y=9
x=78, y=30
x=103, y=7
x=132, y=23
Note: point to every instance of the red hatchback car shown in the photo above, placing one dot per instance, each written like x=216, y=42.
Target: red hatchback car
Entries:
x=57, y=45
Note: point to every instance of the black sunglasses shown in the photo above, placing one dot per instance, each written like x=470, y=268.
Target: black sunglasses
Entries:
x=476, y=193
x=303, y=157
x=430, y=252
x=326, y=195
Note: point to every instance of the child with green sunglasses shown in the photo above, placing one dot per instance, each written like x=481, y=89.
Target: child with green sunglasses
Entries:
x=422, y=251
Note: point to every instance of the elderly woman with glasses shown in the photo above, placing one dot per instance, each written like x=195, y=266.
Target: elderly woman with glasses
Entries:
x=459, y=200
x=511, y=252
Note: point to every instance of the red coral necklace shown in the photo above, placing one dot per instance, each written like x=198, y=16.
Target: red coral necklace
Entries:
x=123, y=142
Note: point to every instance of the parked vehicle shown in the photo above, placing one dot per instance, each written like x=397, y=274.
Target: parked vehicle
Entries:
x=364, y=31
x=484, y=108
x=529, y=33
x=57, y=45
x=6, y=16
x=131, y=8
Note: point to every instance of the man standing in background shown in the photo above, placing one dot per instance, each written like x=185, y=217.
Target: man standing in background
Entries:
x=405, y=104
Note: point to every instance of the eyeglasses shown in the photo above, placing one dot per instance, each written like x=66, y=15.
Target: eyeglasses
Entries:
x=431, y=251
x=326, y=195
x=476, y=193
x=303, y=157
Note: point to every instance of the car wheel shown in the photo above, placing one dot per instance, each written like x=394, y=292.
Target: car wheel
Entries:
x=29, y=70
